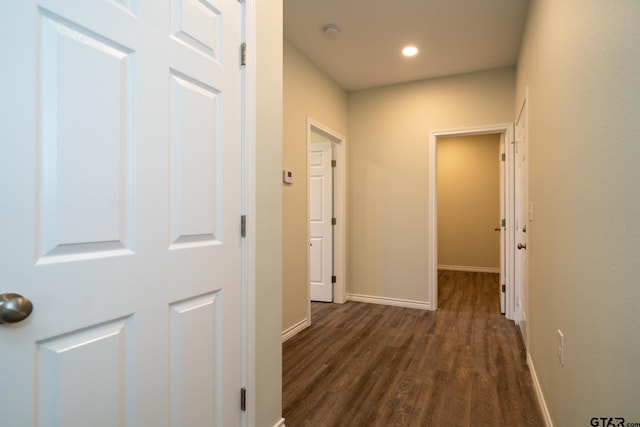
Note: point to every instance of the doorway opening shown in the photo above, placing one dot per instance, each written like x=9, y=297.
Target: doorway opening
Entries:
x=325, y=214
x=505, y=226
x=469, y=203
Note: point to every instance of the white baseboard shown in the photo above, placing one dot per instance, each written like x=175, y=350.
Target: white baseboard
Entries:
x=295, y=329
x=536, y=385
x=396, y=302
x=469, y=268
x=279, y=423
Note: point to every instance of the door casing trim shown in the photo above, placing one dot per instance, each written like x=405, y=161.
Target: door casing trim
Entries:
x=249, y=101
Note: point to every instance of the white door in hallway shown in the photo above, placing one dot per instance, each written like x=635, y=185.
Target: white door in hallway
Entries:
x=120, y=179
x=320, y=216
x=521, y=223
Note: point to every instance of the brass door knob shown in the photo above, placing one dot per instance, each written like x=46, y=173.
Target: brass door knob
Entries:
x=14, y=308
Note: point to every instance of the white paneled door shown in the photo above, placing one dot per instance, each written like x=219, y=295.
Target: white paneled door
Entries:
x=121, y=200
x=320, y=216
x=521, y=224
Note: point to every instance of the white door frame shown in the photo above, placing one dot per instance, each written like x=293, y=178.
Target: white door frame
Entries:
x=339, y=208
x=506, y=136
x=249, y=79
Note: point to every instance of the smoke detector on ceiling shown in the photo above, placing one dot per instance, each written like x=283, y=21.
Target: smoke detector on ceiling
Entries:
x=331, y=31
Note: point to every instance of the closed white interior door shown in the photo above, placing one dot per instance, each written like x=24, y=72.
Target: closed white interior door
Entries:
x=121, y=196
x=320, y=215
x=521, y=225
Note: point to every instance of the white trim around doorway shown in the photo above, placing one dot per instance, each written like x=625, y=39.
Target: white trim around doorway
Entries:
x=249, y=209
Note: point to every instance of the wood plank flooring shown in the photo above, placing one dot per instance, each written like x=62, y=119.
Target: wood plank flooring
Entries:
x=372, y=365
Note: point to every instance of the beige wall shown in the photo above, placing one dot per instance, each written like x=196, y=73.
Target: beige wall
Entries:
x=387, y=172
x=268, y=315
x=469, y=201
x=581, y=61
x=308, y=92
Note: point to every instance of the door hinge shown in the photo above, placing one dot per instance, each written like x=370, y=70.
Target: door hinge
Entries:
x=504, y=288
x=504, y=157
x=333, y=163
x=515, y=144
x=333, y=279
x=243, y=399
x=243, y=226
x=334, y=221
x=503, y=222
x=243, y=54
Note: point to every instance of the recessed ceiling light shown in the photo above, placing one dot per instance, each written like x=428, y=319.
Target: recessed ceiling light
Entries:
x=410, y=51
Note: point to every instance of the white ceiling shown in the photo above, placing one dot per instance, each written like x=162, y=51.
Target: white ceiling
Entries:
x=453, y=36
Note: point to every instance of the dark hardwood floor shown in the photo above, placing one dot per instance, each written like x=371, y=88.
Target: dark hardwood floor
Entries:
x=372, y=365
